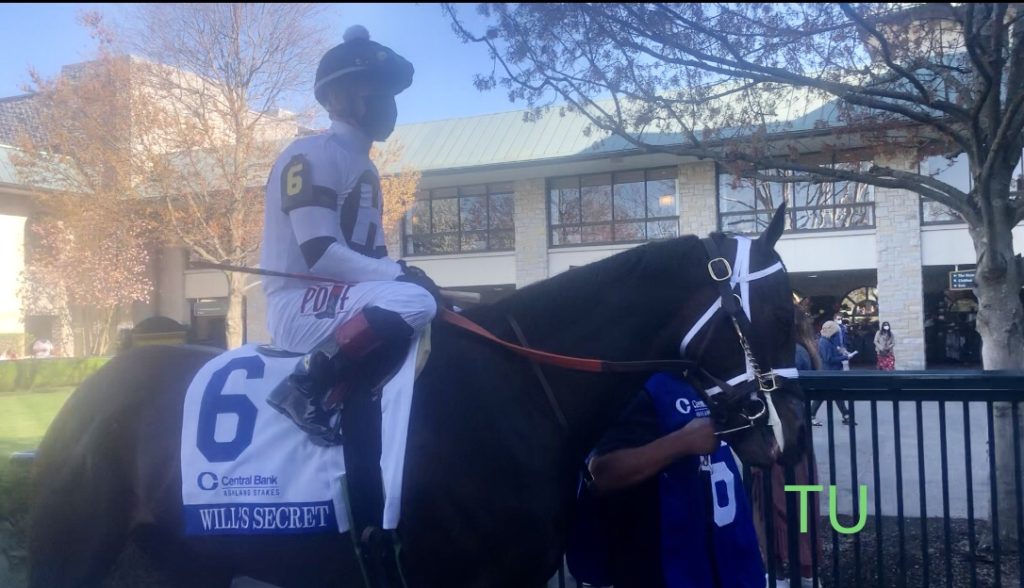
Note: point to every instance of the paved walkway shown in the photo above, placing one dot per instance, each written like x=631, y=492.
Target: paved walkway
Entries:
x=844, y=438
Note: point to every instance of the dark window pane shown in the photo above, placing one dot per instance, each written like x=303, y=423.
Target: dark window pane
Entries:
x=597, y=203
x=956, y=171
x=738, y=223
x=597, y=234
x=474, y=241
x=629, y=232
x=447, y=243
x=661, y=198
x=933, y=212
x=502, y=211
x=502, y=240
x=474, y=213
x=415, y=246
x=859, y=216
x=664, y=229
x=629, y=177
x=629, y=201
x=665, y=173
x=565, y=206
x=444, y=193
x=596, y=180
x=418, y=218
x=806, y=194
x=561, y=183
x=445, y=215
x=808, y=220
x=565, y=236
x=769, y=195
x=735, y=194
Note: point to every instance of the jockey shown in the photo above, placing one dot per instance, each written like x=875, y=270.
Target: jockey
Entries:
x=323, y=217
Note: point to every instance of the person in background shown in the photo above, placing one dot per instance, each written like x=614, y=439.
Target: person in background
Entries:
x=805, y=472
x=884, y=344
x=42, y=348
x=832, y=355
x=844, y=339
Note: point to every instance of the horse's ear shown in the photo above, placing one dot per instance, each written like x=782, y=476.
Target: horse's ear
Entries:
x=771, y=236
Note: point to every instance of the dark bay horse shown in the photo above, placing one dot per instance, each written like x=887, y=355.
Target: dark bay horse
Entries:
x=490, y=475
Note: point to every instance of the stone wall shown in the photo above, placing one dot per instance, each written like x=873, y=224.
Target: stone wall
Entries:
x=898, y=250
x=531, y=231
x=698, y=206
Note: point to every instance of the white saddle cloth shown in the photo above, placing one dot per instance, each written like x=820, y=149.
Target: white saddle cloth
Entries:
x=247, y=469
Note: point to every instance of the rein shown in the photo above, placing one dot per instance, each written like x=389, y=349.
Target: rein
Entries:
x=579, y=364
x=727, y=277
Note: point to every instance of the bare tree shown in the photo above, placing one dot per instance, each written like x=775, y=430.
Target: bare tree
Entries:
x=398, y=184
x=90, y=237
x=718, y=81
x=216, y=75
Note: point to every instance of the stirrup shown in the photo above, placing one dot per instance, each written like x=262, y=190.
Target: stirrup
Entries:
x=307, y=412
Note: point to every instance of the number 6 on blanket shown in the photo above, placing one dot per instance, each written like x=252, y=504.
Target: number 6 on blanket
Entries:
x=215, y=403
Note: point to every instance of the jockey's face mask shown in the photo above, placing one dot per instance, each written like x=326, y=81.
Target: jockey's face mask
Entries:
x=379, y=114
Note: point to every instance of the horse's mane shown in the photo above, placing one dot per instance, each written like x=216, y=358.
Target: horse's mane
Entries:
x=649, y=259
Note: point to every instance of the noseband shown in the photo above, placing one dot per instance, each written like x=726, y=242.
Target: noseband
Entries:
x=733, y=283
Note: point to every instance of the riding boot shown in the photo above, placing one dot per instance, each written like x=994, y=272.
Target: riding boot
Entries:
x=315, y=392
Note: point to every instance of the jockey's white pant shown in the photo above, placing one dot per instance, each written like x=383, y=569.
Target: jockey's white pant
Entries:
x=301, y=318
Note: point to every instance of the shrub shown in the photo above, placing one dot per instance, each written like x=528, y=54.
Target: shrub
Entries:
x=26, y=374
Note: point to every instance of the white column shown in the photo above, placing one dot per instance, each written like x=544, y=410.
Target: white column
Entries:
x=698, y=209
x=898, y=250
x=531, y=231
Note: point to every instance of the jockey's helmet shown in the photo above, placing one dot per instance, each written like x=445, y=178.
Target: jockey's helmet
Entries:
x=358, y=54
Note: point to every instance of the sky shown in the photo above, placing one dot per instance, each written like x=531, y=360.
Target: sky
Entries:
x=47, y=36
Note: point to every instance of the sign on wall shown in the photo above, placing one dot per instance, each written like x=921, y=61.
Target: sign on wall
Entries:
x=961, y=280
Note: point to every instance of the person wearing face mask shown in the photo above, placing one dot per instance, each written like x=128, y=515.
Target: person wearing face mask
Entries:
x=323, y=217
x=884, y=344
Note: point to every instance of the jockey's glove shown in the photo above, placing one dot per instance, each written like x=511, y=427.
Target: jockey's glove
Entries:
x=415, y=275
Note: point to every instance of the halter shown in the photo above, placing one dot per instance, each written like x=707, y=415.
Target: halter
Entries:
x=733, y=283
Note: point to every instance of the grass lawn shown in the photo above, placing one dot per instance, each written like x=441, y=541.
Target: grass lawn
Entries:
x=24, y=417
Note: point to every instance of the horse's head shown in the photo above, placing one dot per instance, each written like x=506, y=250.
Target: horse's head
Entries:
x=740, y=333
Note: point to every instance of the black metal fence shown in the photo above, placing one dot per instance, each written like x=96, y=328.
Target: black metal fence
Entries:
x=924, y=444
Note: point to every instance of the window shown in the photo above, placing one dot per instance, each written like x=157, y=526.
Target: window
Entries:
x=461, y=220
x=747, y=205
x=624, y=207
x=957, y=173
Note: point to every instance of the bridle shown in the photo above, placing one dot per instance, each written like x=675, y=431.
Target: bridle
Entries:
x=732, y=281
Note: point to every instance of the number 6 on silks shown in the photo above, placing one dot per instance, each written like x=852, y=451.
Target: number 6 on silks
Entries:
x=215, y=404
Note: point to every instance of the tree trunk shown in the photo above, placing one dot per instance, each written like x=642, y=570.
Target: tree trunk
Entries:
x=1000, y=323
x=234, y=323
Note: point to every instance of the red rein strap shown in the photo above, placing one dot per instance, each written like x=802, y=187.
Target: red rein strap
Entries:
x=578, y=364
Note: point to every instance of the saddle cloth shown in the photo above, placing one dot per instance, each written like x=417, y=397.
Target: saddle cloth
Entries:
x=247, y=469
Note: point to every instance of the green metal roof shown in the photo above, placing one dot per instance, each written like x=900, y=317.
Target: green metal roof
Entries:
x=505, y=138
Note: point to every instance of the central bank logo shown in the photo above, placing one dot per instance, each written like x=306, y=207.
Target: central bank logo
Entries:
x=207, y=481
x=683, y=406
